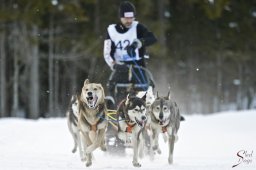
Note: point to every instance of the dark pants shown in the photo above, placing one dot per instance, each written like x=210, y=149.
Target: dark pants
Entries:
x=134, y=76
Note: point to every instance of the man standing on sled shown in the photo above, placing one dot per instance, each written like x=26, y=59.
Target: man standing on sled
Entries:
x=125, y=45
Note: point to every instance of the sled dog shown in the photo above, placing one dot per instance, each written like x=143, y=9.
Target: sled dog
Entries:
x=92, y=120
x=131, y=114
x=72, y=118
x=165, y=118
x=149, y=96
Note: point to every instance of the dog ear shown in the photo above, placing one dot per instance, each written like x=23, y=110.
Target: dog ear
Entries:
x=127, y=99
x=150, y=89
x=130, y=104
x=103, y=93
x=144, y=97
x=86, y=81
x=168, y=97
x=157, y=95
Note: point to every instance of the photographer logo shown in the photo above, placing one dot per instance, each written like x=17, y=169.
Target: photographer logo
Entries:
x=244, y=157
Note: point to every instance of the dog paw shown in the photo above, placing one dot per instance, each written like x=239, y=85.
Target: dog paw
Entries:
x=129, y=140
x=170, y=160
x=88, y=164
x=103, y=148
x=74, y=150
x=136, y=164
x=159, y=151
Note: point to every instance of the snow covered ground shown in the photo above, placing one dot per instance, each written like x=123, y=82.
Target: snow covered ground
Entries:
x=205, y=143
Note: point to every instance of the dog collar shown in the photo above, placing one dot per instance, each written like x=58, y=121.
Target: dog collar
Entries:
x=129, y=127
x=100, y=114
x=164, y=129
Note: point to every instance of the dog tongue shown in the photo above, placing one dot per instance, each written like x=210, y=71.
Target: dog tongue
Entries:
x=143, y=123
x=161, y=122
x=95, y=100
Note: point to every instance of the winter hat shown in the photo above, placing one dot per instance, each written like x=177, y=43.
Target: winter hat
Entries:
x=126, y=9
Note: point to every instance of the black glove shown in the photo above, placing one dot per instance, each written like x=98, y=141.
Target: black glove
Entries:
x=131, y=49
x=120, y=67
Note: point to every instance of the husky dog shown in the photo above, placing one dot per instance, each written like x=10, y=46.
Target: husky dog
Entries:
x=131, y=115
x=92, y=120
x=72, y=118
x=165, y=118
x=149, y=96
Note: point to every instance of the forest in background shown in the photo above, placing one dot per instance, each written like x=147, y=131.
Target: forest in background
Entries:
x=206, y=52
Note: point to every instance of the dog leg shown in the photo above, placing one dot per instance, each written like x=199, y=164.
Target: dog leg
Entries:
x=151, y=151
x=74, y=135
x=135, y=152
x=79, y=142
x=171, y=148
x=155, y=145
x=148, y=142
x=85, y=141
x=98, y=139
x=141, y=145
x=89, y=160
x=73, y=130
x=165, y=137
x=103, y=145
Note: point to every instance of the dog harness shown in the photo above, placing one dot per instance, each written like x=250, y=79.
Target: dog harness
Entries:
x=129, y=127
x=123, y=114
x=164, y=129
x=100, y=114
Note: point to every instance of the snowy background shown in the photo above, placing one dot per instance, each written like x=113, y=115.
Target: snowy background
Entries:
x=205, y=143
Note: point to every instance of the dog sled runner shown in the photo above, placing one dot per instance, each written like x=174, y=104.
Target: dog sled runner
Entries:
x=133, y=78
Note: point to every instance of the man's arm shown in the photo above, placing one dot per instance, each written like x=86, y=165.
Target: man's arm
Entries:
x=146, y=37
x=108, y=51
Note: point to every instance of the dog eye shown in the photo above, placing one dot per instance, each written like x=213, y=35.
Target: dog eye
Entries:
x=165, y=108
x=86, y=89
x=157, y=108
x=95, y=89
x=136, y=110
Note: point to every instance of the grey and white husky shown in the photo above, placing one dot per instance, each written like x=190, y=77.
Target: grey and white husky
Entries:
x=72, y=120
x=165, y=118
x=132, y=118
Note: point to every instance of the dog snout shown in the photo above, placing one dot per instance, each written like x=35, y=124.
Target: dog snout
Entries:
x=89, y=93
x=143, y=118
x=161, y=116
